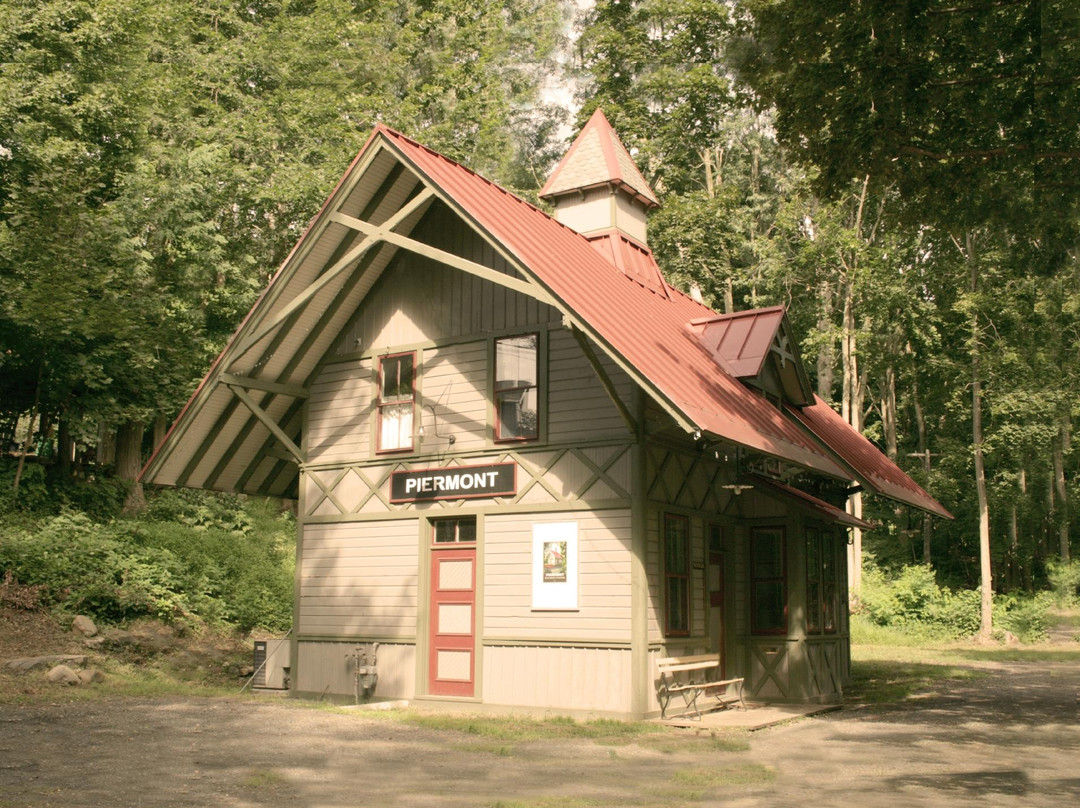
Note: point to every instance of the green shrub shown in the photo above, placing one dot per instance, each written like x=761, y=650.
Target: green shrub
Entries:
x=192, y=554
x=91, y=568
x=912, y=602
x=33, y=491
x=1064, y=581
x=1025, y=617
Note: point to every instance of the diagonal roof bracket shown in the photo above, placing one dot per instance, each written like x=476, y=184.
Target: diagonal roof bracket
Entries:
x=444, y=257
x=268, y=422
x=376, y=234
x=267, y=386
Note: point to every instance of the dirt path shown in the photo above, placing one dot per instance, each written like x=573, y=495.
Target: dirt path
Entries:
x=1011, y=738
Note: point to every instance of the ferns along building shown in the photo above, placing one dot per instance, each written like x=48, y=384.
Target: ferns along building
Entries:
x=524, y=464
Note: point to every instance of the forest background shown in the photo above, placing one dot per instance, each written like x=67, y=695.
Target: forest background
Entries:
x=903, y=177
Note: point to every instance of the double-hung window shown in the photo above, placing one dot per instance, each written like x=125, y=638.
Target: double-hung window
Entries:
x=676, y=575
x=517, y=373
x=397, y=399
x=822, y=581
x=768, y=581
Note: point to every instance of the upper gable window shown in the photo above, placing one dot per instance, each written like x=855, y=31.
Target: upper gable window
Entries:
x=397, y=399
x=517, y=373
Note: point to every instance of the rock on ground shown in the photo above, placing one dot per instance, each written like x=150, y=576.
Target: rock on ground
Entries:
x=64, y=675
x=84, y=625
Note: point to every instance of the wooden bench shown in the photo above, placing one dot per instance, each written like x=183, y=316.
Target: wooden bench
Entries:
x=690, y=677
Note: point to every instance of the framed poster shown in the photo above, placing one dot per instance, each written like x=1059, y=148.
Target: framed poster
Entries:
x=555, y=566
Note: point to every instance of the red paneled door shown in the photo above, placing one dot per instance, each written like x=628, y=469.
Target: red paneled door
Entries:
x=452, y=656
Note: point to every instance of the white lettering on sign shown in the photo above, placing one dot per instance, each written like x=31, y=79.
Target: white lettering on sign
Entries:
x=447, y=484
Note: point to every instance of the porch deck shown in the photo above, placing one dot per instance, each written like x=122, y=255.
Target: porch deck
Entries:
x=756, y=716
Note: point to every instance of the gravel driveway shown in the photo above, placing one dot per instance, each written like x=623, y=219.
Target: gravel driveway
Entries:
x=1010, y=738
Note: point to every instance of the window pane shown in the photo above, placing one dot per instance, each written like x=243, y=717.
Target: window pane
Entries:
x=517, y=413
x=768, y=554
x=516, y=362
x=678, y=600
x=445, y=531
x=716, y=539
x=813, y=606
x=769, y=606
x=467, y=530
x=396, y=426
x=675, y=548
x=397, y=378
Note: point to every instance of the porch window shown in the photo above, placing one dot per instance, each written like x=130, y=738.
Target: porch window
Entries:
x=768, y=581
x=830, y=565
x=823, y=561
x=676, y=575
x=397, y=397
x=517, y=373
x=815, y=606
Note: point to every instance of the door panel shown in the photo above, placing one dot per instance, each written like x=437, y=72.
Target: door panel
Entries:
x=452, y=646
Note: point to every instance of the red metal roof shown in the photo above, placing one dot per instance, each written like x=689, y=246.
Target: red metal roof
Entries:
x=597, y=157
x=872, y=467
x=739, y=342
x=632, y=258
x=611, y=288
x=646, y=330
x=650, y=333
x=811, y=503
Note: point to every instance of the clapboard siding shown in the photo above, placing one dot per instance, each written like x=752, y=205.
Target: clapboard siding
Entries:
x=593, y=679
x=654, y=573
x=455, y=383
x=578, y=407
x=340, y=413
x=359, y=579
x=603, y=613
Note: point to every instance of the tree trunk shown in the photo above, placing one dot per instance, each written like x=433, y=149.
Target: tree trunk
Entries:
x=105, y=451
x=888, y=413
x=65, y=448
x=924, y=451
x=129, y=438
x=826, y=369
x=161, y=429
x=1062, y=511
x=986, y=623
x=29, y=432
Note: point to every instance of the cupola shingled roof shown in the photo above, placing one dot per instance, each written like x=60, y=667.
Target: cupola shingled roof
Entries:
x=596, y=158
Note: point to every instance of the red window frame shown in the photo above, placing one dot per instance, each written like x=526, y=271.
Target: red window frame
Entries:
x=768, y=582
x=382, y=403
x=500, y=392
x=677, y=580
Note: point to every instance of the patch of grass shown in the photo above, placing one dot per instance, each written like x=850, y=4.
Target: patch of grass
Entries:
x=500, y=750
x=265, y=778
x=747, y=774
x=672, y=743
x=893, y=681
x=518, y=729
x=551, y=802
